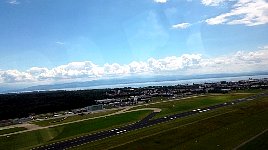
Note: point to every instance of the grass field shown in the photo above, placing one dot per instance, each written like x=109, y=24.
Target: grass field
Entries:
x=192, y=103
x=11, y=130
x=261, y=142
x=224, y=128
x=71, y=118
x=43, y=136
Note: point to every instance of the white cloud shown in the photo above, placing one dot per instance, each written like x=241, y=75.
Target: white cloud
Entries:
x=160, y=1
x=14, y=2
x=115, y=69
x=247, y=12
x=72, y=70
x=263, y=47
x=241, y=61
x=60, y=43
x=13, y=76
x=213, y=2
x=181, y=26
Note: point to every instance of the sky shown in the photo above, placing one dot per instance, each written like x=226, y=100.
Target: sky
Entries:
x=51, y=41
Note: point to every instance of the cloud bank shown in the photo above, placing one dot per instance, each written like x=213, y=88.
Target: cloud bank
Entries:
x=240, y=61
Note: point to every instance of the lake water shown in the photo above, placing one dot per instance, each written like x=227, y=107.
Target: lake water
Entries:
x=168, y=83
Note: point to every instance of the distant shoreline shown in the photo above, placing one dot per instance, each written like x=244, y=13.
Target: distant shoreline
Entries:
x=167, y=82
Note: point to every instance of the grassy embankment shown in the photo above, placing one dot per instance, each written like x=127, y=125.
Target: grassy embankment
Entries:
x=11, y=130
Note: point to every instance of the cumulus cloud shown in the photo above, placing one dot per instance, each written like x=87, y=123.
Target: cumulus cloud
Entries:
x=181, y=26
x=115, y=69
x=13, y=76
x=72, y=70
x=241, y=61
x=160, y=1
x=247, y=12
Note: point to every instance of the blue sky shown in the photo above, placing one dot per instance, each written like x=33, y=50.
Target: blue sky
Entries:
x=53, y=40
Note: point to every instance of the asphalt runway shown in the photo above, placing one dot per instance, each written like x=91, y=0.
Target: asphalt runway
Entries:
x=146, y=122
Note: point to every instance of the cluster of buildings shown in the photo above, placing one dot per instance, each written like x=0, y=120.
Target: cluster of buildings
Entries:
x=87, y=109
x=132, y=96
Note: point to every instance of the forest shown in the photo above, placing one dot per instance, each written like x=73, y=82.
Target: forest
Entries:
x=25, y=104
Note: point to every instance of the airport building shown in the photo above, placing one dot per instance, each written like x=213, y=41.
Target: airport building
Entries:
x=94, y=107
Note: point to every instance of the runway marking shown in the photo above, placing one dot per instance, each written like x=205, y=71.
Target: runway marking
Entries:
x=251, y=139
x=170, y=129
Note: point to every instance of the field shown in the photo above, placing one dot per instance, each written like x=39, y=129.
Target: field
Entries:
x=11, y=130
x=42, y=136
x=224, y=128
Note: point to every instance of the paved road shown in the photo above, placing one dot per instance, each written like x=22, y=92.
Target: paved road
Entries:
x=146, y=122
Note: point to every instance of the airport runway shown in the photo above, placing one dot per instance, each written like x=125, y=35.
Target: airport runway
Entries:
x=147, y=121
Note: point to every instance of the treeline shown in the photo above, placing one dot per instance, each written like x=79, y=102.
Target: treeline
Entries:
x=25, y=104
